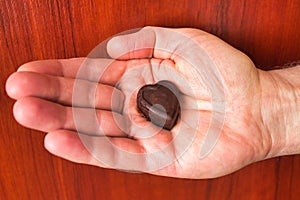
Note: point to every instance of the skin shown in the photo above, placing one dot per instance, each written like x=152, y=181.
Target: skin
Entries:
x=260, y=118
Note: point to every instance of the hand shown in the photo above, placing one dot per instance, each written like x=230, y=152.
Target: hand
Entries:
x=44, y=92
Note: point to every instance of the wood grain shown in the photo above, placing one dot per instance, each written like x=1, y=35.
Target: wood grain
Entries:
x=266, y=30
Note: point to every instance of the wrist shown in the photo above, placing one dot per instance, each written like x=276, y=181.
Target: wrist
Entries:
x=280, y=110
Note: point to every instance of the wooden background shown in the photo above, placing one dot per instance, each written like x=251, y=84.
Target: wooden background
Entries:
x=267, y=30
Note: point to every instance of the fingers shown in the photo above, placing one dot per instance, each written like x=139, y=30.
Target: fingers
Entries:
x=106, y=71
x=59, y=89
x=116, y=153
x=67, y=144
x=101, y=152
x=57, y=67
x=46, y=116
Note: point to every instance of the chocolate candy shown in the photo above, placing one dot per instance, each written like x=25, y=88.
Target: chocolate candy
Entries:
x=159, y=103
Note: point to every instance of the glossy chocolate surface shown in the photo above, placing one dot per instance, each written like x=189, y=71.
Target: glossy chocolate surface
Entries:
x=159, y=103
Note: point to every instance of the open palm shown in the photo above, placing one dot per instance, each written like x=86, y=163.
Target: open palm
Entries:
x=219, y=129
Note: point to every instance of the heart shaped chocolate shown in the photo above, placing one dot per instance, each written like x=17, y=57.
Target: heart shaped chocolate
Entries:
x=159, y=103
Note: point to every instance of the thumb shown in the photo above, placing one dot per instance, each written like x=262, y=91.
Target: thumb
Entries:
x=132, y=46
x=148, y=42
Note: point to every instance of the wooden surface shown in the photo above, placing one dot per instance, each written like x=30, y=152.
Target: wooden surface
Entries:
x=267, y=30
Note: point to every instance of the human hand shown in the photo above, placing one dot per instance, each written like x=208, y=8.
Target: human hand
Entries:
x=45, y=96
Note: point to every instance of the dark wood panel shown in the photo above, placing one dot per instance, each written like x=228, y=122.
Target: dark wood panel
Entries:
x=267, y=30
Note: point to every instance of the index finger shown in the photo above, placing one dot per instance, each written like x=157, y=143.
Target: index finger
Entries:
x=106, y=71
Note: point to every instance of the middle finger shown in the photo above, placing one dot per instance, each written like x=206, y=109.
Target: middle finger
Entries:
x=47, y=116
x=61, y=90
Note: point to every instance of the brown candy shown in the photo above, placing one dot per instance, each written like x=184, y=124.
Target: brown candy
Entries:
x=159, y=103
